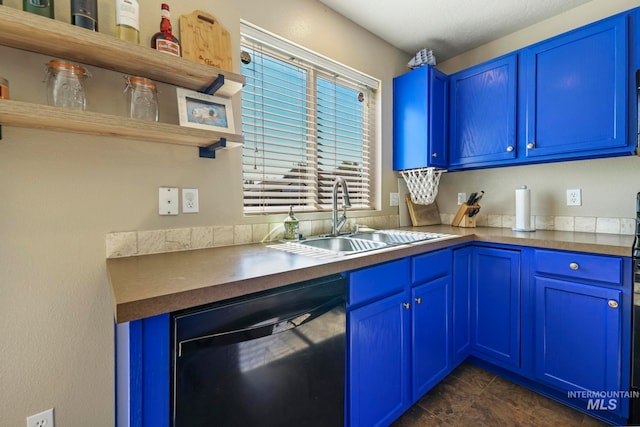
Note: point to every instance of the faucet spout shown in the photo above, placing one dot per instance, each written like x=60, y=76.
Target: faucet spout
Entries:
x=338, y=223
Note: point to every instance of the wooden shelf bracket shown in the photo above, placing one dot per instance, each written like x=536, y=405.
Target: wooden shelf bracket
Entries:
x=209, y=152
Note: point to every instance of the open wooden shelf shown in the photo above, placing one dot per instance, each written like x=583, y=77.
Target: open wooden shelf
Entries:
x=27, y=31
x=61, y=40
x=25, y=114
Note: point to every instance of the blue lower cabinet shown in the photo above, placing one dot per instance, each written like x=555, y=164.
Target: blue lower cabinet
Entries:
x=495, y=311
x=578, y=341
x=461, y=330
x=431, y=334
x=142, y=369
x=379, y=361
x=399, y=345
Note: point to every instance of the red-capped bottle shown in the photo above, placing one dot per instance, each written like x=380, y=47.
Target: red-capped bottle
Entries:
x=164, y=40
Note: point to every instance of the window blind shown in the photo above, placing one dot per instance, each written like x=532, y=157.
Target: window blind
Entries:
x=304, y=125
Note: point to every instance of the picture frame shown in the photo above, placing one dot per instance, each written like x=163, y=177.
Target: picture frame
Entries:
x=203, y=111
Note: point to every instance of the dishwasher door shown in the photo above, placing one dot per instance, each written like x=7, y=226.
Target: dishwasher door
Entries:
x=272, y=359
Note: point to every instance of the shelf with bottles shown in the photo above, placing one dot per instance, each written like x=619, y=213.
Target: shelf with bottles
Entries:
x=25, y=114
x=35, y=33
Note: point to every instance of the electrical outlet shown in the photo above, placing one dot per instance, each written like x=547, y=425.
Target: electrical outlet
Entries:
x=43, y=419
x=574, y=197
x=190, y=200
x=462, y=197
x=394, y=199
x=168, y=201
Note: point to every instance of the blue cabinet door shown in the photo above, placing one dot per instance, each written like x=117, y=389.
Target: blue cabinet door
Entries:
x=496, y=305
x=420, y=111
x=483, y=113
x=578, y=338
x=461, y=304
x=143, y=372
x=576, y=93
x=379, y=376
x=431, y=334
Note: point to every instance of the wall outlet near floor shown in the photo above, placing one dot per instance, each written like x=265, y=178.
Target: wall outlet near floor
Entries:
x=43, y=419
x=574, y=197
x=462, y=197
x=190, y=202
x=394, y=199
x=168, y=201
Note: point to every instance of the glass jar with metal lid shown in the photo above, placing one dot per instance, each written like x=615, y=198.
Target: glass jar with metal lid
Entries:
x=65, y=85
x=143, y=98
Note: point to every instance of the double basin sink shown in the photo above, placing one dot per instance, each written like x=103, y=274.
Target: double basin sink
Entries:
x=349, y=244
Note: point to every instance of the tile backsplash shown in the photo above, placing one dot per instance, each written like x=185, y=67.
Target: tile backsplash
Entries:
x=130, y=243
x=586, y=224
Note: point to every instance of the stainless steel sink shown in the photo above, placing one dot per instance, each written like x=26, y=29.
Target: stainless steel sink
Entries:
x=397, y=237
x=344, y=244
x=350, y=244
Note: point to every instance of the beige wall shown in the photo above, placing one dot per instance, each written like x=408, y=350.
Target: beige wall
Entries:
x=61, y=193
x=609, y=186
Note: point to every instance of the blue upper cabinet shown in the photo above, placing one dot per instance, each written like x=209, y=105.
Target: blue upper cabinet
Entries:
x=483, y=113
x=420, y=119
x=576, y=93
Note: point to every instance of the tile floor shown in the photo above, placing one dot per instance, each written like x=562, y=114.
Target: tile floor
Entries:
x=471, y=396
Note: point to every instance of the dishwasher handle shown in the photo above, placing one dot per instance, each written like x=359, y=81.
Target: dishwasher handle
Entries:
x=257, y=331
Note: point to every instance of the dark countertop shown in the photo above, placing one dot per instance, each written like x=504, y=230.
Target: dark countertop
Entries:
x=149, y=285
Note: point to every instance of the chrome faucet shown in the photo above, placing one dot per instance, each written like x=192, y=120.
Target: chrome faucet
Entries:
x=339, y=223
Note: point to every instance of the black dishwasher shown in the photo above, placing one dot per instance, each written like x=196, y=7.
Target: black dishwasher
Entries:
x=275, y=358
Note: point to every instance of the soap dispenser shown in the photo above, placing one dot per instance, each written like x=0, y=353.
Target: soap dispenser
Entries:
x=291, y=226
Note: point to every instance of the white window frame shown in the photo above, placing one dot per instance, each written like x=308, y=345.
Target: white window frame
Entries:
x=328, y=69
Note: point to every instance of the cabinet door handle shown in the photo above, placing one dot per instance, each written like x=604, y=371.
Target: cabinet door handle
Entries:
x=574, y=266
x=613, y=303
x=509, y=148
x=406, y=305
x=530, y=145
x=419, y=300
x=434, y=155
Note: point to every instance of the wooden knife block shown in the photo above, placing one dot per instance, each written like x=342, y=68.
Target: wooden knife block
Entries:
x=462, y=218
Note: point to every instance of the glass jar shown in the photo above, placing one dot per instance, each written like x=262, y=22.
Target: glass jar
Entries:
x=4, y=87
x=65, y=85
x=142, y=98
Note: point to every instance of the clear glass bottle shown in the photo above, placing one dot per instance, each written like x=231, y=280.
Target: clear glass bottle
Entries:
x=65, y=85
x=39, y=7
x=291, y=224
x=143, y=98
x=128, y=20
x=164, y=40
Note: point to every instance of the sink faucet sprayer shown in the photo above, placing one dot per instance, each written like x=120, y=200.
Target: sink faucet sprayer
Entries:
x=339, y=223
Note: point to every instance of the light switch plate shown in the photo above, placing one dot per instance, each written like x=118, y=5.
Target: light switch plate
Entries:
x=394, y=199
x=168, y=201
x=190, y=203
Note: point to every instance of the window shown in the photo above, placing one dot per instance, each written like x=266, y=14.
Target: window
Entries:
x=306, y=120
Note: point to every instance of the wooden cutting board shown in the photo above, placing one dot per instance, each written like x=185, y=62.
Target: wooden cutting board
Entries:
x=204, y=40
x=423, y=214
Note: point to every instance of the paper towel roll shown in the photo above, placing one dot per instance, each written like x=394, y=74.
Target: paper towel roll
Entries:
x=523, y=209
